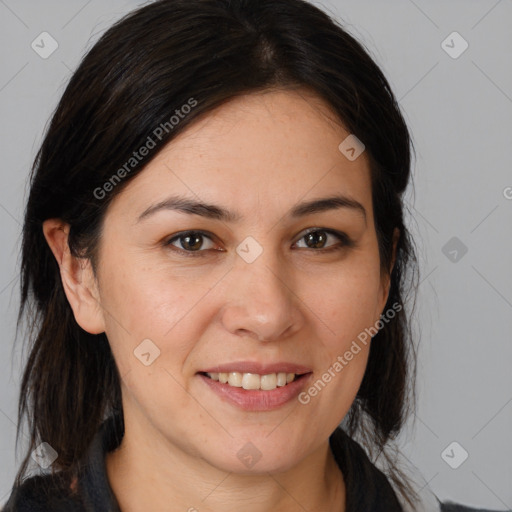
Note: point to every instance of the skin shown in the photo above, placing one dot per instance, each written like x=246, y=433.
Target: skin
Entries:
x=259, y=155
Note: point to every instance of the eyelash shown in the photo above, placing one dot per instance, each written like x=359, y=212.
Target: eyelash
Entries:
x=345, y=240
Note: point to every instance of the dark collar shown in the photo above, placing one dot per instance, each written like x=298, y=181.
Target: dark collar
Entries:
x=367, y=488
x=93, y=484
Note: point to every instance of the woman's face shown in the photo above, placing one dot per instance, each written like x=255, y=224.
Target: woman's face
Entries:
x=250, y=292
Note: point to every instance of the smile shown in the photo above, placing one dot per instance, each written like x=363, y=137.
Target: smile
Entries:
x=255, y=392
x=266, y=382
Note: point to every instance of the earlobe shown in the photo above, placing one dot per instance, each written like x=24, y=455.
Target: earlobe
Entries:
x=78, y=280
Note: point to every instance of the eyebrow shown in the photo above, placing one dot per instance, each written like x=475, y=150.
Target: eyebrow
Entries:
x=211, y=211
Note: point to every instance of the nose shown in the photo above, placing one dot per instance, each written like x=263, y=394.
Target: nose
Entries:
x=261, y=300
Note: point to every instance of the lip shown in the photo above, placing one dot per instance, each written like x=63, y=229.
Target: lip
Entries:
x=254, y=399
x=259, y=368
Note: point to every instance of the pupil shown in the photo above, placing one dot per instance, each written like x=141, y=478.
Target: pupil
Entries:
x=317, y=237
x=197, y=238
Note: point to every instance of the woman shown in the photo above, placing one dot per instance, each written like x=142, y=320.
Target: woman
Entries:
x=215, y=253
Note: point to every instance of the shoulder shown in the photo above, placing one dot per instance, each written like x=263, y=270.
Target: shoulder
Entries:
x=80, y=489
x=43, y=493
x=369, y=489
x=450, y=506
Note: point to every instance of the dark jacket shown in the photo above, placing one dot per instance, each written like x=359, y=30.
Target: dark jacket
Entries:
x=367, y=488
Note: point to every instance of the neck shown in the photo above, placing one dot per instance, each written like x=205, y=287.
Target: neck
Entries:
x=151, y=475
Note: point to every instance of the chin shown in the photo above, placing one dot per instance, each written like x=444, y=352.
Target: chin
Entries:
x=255, y=457
x=256, y=467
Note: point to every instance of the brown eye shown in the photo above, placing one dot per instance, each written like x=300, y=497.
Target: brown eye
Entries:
x=189, y=241
x=317, y=239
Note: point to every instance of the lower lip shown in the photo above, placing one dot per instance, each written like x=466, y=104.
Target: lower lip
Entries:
x=255, y=399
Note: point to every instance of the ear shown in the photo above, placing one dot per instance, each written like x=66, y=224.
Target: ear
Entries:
x=78, y=280
x=387, y=277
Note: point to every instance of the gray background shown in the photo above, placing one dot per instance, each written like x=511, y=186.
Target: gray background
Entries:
x=460, y=114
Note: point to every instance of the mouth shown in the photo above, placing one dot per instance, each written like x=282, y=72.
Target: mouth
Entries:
x=253, y=375
x=255, y=387
x=254, y=381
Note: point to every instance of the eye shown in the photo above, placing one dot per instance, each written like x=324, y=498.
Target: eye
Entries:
x=316, y=238
x=190, y=241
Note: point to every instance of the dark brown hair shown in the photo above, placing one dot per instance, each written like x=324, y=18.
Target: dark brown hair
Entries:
x=145, y=67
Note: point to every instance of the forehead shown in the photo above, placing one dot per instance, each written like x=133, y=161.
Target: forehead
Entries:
x=257, y=153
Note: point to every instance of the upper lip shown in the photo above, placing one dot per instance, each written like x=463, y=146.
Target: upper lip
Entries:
x=259, y=368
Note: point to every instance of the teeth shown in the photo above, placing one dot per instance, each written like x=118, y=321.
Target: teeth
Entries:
x=253, y=380
x=250, y=380
x=235, y=379
x=281, y=379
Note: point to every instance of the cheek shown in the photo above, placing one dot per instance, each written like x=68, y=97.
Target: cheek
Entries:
x=347, y=304
x=151, y=320
x=141, y=303
x=346, y=308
